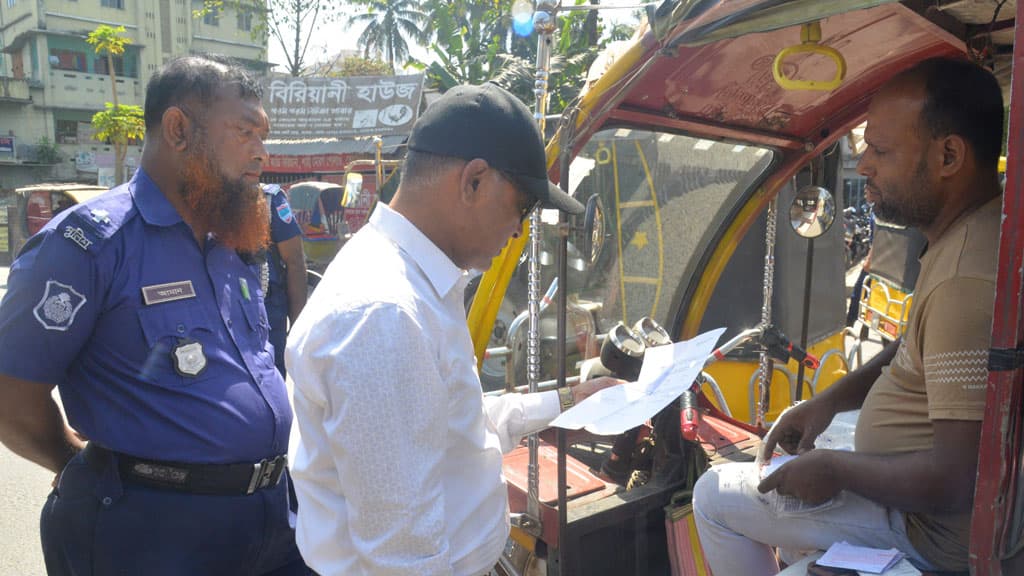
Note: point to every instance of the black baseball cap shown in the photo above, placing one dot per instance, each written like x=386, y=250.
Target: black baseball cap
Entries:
x=488, y=122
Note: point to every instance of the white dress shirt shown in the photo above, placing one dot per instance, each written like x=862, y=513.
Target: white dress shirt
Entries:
x=398, y=462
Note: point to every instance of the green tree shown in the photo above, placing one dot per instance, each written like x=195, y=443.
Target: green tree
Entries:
x=474, y=42
x=290, y=23
x=117, y=124
x=386, y=25
x=109, y=41
x=47, y=151
x=352, y=66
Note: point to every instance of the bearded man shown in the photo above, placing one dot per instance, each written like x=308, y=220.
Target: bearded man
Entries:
x=934, y=134
x=143, y=308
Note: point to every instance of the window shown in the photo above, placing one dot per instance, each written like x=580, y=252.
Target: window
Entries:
x=11, y=3
x=67, y=60
x=245, y=19
x=212, y=16
x=67, y=132
x=100, y=65
x=112, y=4
x=664, y=199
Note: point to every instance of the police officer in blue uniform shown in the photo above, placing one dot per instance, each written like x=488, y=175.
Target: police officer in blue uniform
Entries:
x=142, y=307
x=286, y=270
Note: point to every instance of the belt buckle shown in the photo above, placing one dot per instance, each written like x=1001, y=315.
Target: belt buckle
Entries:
x=267, y=473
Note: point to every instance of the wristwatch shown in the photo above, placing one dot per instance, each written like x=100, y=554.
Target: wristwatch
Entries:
x=565, y=399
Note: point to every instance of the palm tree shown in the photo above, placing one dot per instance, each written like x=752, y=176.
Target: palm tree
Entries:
x=387, y=24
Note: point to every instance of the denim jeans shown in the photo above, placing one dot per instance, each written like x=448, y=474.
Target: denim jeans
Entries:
x=739, y=526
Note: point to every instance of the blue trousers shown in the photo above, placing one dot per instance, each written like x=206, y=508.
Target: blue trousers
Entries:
x=277, y=316
x=93, y=524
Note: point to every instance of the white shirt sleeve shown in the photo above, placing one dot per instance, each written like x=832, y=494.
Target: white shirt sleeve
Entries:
x=385, y=418
x=514, y=416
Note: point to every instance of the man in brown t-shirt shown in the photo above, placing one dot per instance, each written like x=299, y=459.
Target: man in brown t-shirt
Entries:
x=934, y=135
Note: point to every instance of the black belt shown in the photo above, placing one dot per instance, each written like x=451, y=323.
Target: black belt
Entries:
x=218, y=479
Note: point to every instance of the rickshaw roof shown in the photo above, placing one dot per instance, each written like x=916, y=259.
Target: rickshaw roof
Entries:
x=78, y=192
x=707, y=66
x=303, y=195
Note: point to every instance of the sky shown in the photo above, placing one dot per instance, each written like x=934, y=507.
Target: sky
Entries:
x=327, y=40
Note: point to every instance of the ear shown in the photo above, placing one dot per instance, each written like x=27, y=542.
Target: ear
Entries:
x=472, y=180
x=176, y=128
x=954, y=155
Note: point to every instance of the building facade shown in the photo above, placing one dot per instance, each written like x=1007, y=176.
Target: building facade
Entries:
x=52, y=81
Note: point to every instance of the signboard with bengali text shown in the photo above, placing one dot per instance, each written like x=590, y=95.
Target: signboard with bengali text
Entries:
x=316, y=107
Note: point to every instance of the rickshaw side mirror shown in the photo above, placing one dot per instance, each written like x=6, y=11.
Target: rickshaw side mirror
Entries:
x=812, y=212
x=353, y=188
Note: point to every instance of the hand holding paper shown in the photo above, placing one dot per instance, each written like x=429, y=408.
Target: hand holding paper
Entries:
x=667, y=371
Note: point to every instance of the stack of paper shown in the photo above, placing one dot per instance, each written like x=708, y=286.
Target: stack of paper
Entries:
x=860, y=558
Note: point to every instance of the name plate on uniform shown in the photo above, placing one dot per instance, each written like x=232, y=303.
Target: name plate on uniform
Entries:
x=168, y=292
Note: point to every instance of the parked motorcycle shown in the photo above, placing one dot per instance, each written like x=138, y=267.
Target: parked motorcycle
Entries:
x=857, y=229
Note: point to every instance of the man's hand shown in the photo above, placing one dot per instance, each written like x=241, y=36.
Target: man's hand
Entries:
x=584, y=389
x=33, y=427
x=798, y=427
x=811, y=477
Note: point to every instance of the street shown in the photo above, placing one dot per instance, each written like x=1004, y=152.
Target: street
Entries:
x=23, y=489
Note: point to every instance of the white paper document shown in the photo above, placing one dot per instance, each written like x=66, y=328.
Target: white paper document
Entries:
x=902, y=568
x=666, y=373
x=769, y=468
x=860, y=558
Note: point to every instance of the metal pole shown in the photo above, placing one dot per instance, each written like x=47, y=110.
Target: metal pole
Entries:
x=997, y=493
x=565, y=160
x=808, y=274
x=379, y=162
x=544, y=24
x=766, y=366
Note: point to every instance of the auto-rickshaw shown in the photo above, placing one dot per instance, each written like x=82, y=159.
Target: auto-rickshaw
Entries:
x=39, y=203
x=887, y=294
x=319, y=212
x=705, y=128
x=329, y=212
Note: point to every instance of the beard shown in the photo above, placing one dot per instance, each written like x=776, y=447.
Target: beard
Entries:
x=911, y=204
x=232, y=210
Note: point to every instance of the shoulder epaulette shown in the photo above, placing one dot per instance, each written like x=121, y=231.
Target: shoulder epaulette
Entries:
x=89, y=224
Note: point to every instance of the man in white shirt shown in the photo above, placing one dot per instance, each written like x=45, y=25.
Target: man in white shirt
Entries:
x=398, y=467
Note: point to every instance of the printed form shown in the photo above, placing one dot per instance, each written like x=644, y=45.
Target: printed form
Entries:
x=666, y=373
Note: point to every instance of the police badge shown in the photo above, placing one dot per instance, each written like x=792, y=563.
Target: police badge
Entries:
x=188, y=357
x=57, y=308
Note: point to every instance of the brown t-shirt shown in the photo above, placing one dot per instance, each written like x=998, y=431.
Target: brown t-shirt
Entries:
x=940, y=370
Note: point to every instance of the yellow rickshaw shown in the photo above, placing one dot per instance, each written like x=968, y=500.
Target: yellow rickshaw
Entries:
x=716, y=122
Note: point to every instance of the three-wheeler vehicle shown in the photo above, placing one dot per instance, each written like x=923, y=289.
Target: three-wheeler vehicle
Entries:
x=717, y=121
x=330, y=210
x=39, y=203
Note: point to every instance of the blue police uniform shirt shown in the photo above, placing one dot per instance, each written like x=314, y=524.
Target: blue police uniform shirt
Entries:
x=283, y=226
x=186, y=377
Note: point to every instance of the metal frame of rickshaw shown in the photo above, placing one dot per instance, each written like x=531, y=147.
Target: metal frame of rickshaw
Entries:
x=998, y=483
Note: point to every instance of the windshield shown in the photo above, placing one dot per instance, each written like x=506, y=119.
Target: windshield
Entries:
x=655, y=202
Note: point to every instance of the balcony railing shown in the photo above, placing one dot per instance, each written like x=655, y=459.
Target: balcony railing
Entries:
x=89, y=90
x=14, y=89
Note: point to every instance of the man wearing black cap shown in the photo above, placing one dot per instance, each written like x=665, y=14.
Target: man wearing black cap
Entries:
x=398, y=467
